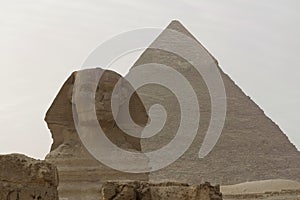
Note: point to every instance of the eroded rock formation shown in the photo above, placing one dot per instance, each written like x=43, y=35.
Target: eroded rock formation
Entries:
x=159, y=191
x=23, y=178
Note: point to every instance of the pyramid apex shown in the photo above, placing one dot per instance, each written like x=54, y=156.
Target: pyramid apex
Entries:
x=175, y=21
x=176, y=25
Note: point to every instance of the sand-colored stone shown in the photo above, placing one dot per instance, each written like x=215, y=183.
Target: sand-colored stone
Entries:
x=159, y=191
x=23, y=178
x=80, y=174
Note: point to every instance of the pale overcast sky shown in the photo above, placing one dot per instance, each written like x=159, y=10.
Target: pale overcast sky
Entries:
x=42, y=41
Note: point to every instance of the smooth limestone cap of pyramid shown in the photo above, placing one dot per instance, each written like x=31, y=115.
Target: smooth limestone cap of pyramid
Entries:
x=177, y=26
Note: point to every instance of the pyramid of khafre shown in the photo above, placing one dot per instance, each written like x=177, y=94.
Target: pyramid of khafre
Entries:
x=251, y=146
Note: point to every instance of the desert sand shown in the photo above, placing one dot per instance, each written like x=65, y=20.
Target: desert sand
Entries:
x=275, y=189
x=263, y=186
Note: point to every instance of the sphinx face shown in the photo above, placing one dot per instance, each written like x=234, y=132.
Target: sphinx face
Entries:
x=96, y=95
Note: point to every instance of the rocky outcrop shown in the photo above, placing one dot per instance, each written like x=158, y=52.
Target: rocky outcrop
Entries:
x=23, y=178
x=159, y=191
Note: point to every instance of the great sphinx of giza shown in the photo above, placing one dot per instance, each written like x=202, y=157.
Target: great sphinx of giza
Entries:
x=251, y=147
x=80, y=174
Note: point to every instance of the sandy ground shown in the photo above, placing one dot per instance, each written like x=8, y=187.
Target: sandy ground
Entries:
x=260, y=187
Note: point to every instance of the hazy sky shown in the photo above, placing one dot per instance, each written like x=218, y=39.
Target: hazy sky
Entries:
x=255, y=41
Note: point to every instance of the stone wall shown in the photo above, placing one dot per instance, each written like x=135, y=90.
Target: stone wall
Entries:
x=23, y=178
x=159, y=191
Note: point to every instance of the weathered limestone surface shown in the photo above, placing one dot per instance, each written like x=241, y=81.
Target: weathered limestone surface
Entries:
x=159, y=191
x=81, y=174
x=23, y=178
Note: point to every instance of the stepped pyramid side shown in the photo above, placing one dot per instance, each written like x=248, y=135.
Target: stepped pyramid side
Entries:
x=251, y=147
